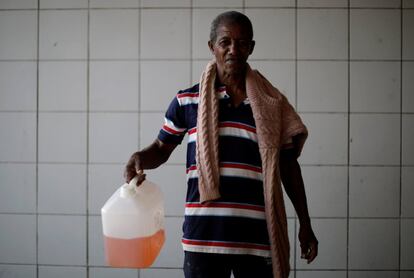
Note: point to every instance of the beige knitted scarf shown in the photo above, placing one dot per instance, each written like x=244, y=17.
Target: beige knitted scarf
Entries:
x=276, y=121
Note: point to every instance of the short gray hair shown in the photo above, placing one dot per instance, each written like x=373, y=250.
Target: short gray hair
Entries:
x=231, y=17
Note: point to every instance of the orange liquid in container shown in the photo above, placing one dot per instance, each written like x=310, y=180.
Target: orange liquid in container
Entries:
x=135, y=252
x=133, y=225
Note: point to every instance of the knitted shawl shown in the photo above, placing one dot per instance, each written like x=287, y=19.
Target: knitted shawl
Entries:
x=276, y=121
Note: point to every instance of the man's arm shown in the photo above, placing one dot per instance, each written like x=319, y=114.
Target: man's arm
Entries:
x=293, y=183
x=148, y=158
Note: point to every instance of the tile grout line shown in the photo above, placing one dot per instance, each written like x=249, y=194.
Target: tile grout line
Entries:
x=349, y=136
x=161, y=112
x=139, y=73
x=191, y=42
x=295, y=228
x=180, y=216
x=182, y=164
x=401, y=134
x=213, y=7
x=410, y=270
x=37, y=136
x=139, y=38
x=87, y=136
x=201, y=59
x=296, y=54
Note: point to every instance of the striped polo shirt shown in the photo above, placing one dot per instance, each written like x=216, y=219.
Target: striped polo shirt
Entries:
x=235, y=223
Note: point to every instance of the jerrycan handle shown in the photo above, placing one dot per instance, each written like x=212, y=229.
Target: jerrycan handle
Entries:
x=129, y=190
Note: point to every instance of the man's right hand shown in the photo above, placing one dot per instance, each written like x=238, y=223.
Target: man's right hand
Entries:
x=148, y=158
x=134, y=168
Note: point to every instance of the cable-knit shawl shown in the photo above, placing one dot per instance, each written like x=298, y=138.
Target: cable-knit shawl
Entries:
x=276, y=121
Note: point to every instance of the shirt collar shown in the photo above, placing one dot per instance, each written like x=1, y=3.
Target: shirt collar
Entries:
x=222, y=94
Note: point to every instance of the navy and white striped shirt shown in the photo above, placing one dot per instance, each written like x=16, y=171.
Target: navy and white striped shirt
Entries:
x=235, y=223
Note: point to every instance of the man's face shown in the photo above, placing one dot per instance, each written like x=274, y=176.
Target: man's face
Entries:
x=231, y=48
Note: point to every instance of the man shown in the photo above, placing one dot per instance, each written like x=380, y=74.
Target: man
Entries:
x=248, y=140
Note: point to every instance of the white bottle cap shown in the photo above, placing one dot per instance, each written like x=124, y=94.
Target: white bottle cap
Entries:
x=128, y=190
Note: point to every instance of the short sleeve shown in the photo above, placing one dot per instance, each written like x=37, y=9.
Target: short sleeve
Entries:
x=174, y=127
x=287, y=144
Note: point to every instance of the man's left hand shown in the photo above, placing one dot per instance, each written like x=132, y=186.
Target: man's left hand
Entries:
x=308, y=243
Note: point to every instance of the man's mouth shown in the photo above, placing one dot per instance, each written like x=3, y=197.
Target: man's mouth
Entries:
x=233, y=61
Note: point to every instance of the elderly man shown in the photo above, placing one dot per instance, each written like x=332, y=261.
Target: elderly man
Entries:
x=243, y=141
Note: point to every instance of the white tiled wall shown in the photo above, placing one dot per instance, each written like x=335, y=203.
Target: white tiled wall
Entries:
x=62, y=86
x=373, y=244
x=165, y=27
x=375, y=87
x=114, y=34
x=280, y=23
x=333, y=233
x=85, y=83
x=375, y=34
x=322, y=86
x=18, y=81
x=19, y=29
x=322, y=33
x=113, y=86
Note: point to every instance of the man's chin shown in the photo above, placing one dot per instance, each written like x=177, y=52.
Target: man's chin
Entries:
x=235, y=68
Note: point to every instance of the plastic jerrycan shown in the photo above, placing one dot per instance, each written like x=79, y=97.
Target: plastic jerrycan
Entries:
x=133, y=225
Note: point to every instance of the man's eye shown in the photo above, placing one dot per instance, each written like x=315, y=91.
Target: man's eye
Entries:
x=244, y=44
x=224, y=43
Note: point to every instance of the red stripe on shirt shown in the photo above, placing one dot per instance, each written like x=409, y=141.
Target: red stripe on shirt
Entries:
x=231, y=165
x=191, y=131
x=238, y=125
x=241, y=166
x=191, y=168
x=221, y=89
x=226, y=244
x=170, y=130
x=225, y=205
x=188, y=95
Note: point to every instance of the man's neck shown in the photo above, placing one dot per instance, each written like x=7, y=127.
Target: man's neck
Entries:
x=231, y=80
x=235, y=85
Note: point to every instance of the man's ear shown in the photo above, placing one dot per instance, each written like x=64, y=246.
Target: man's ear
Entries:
x=211, y=46
x=253, y=43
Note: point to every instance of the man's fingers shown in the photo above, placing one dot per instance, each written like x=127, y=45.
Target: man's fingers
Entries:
x=129, y=174
x=312, y=254
x=137, y=166
x=141, y=178
x=309, y=251
x=304, y=250
x=133, y=168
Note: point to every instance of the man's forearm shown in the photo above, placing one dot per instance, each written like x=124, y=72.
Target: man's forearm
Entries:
x=293, y=183
x=155, y=154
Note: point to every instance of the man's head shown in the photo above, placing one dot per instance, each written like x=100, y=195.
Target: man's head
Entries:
x=231, y=42
x=229, y=18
